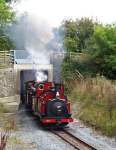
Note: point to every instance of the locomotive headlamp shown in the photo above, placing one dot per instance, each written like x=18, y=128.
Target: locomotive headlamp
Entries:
x=57, y=94
x=59, y=107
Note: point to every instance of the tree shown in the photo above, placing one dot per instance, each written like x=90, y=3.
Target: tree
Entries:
x=5, y=43
x=6, y=17
x=85, y=29
x=85, y=35
x=70, y=35
x=6, y=14
x=104, y=49
x=78, y=33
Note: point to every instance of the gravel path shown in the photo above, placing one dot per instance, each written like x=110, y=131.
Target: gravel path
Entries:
x=92, y=137
x=29, y=131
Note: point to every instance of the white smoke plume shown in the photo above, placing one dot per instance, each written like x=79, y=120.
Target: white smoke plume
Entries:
x=41, y=76
x=34, y=34
x=31, y=32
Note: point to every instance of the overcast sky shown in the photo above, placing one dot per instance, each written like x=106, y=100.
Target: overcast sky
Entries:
x=54, y=11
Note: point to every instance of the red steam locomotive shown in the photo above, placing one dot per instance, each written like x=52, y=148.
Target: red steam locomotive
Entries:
x=47, y=100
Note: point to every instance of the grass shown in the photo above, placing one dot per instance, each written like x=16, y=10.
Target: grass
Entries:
x=5, y=134
x=15, y=140
x=3, y=140
x=96, y=103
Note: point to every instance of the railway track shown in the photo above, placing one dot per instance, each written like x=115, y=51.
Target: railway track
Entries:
x=72, y=140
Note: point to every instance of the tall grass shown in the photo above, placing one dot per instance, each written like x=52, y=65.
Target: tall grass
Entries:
x=3, y=140
x=96, y=99
x=6, y=132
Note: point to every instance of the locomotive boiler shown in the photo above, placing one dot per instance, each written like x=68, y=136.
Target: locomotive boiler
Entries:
x=48, y=101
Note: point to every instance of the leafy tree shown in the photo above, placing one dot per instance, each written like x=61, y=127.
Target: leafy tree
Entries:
x=85, y=29
x=104, y=49
x=77, y=34
x=70, y=38
x=6, y=17
x=84, y=35
x=5, y=43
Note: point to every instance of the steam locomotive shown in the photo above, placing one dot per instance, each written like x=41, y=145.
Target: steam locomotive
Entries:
x=47, y=100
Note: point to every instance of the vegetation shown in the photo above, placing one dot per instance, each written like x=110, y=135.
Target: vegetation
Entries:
x=77, y=33
x=71, y=39
x=6, y=17
x=78, y=62
x=95, y=100
x=104, y=49
x=5, y=133
x=3, y=141
x=95, y=40
x=89, y=72
x=15, y=140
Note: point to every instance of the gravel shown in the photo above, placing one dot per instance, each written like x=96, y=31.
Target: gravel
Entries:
x=29, y=131
x=92, y=137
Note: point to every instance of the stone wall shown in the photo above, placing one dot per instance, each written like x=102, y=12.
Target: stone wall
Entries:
x=11, y=103
x=7, y=82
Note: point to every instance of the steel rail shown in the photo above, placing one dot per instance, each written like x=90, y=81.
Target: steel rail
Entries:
x=73, y=140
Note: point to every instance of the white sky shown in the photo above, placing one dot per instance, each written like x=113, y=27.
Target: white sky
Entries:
x=54, y=11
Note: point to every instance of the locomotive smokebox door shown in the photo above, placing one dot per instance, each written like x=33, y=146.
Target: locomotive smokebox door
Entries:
x=29, y=75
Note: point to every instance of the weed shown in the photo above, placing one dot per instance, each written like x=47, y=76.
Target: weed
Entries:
x=3, y=140
x=15, y=140
x=96, y=98
x=5, y=133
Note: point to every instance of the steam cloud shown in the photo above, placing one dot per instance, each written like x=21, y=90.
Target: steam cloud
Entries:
x=40, y=76
x=34, y=34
